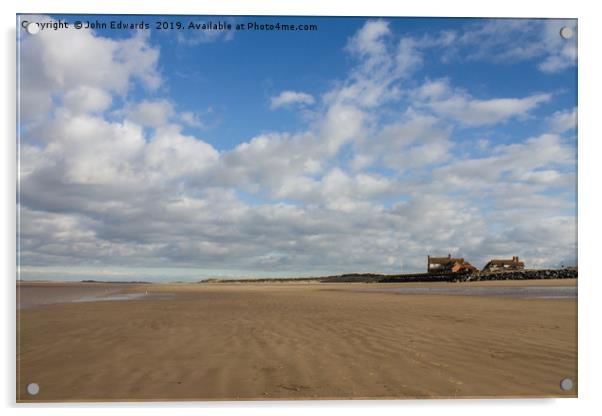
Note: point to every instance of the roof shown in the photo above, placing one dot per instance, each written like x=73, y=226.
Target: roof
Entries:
x=502, y=262
x=445, y=260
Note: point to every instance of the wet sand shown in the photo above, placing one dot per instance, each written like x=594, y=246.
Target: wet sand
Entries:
x=296, y=341
x=30, y=294
x=527, y=292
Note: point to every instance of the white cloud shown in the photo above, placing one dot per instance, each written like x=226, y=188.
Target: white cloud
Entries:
x=369, y=40
x=545, y=177
x=337, y=185
x=265, y=161
x=439, y=96
x=381, y=67
x=478, y=112
x=151, y=113
x=434, y=89
x=191, y=119
x=300, y=187
x=287, y=98
x=171, y=154
x=415, y=140
x=528, y=161
x=408, y=58
x=55, y=60
x=88, y=149
x=562, y=121
x=340, y=125
x=86, y=99
x=160, y=112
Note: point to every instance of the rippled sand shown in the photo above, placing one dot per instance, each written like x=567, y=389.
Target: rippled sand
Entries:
x=297, y=341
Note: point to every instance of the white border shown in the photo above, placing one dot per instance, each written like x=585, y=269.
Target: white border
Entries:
x=590, y=208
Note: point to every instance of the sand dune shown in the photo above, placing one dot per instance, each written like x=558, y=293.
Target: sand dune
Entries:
x=290, y=341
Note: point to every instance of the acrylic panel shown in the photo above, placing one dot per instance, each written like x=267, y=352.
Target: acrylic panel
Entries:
x=295, y=208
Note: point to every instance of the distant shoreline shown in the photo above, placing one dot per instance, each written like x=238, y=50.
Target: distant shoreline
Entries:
x=529, y=274
x=532, y=274
x=42, y=281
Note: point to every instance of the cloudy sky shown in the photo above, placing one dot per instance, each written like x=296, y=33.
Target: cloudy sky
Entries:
x=362, y=146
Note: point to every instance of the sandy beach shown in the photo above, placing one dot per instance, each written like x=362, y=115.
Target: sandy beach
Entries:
x=292, y=341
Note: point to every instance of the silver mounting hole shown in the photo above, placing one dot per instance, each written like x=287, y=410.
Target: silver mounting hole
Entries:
x=566, y=32
x=32, y=28
x=566, y=384
x=33, y=388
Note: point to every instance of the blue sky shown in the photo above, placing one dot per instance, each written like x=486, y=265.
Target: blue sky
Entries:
x=361, y=146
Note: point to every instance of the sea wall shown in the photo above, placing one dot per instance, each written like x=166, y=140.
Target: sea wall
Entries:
x=568, y=273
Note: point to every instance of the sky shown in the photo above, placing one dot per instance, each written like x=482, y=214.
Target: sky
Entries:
x=361, y=146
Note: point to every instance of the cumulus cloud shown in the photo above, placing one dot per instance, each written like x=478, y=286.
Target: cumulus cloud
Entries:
x=86, y=99
x=287, y=98
x=56, y=60
x=88, y=149
x=160, y=112
x=151, y=113
x=172, y=154
x=414, y=141
x=336, y=188
x=510, y=163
